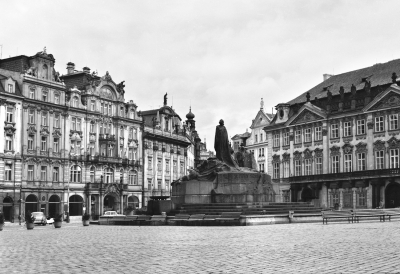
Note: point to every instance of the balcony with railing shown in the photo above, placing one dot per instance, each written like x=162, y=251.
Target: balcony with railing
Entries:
x=107, y=137
x=355, y=175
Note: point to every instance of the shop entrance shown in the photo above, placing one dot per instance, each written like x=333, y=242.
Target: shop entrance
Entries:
x=111, y=203
x=75, y=205
x=54, y=205
x=392, y=195
x=8, y=208
x=307, y=195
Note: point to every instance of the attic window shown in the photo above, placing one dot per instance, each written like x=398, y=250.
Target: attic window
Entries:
x=260, y=118
x=10, y=88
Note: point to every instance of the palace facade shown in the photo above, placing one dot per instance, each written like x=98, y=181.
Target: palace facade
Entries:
x=337, y=145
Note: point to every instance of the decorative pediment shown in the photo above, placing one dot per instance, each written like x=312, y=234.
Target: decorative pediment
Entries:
x=347, y=148
x=31, y=130
x=307, y=153
x=379, y=145
x=393, y=143
x=361, y=148
x=390, y=98
x=44, y=131
x=297, y=155
x=286, y=156
x=57, y=133
x=112, y=188
x=318, y=152
x=275, y=158
x=335, y=151
x=306, y=116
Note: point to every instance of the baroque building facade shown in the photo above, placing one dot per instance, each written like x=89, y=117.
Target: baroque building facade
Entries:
x=337, y=145
x=71, y=142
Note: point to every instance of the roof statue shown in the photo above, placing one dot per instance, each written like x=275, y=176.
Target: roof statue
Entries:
x=222, y=147
x=165, y=99
x=262, y=104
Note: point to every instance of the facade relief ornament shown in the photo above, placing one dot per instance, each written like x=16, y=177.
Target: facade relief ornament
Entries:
x=370, y=125
x=307, y=154
x=389, y=101
x=297, y=155
x=286, y=157
x=393, y=143
x=361, y=148
x=347, y=149
x=306, y=116
x=318, y=152
x=324, y=132
x=275, y=158
x=379, y=145
x=335, y=151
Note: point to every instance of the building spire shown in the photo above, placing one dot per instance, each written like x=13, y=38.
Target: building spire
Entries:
x=262, y=104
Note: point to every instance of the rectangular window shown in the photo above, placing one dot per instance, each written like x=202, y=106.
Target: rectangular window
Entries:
x=101, y=107
x=393, y=122
x=334, y=131
x=44, y=96
x=43, y=173
x=307, y=167
x=182, y=171
x=394, y=158
x=158, y=184
x=318, y=134
x=44, y=119
x=150, y=164
x=30, y=172
x=43, y=146
x=9, y=142
x=73, y=123
x=297, y=168
x=256, y=138
x=286, y=169
x=167, y=166
x=167, y=184
x=30, y=142
x=91, y=128
x=347, y=129
x=335, y=164
x=56, y=147
x=9, y=114
x=10, y=88
x=149, y=184
x=379, y=124
x=55, y=173
x=318, y=165
x=8, y=172
x=297, y=137
x=121, y=112
x=276, y=140
x=130, y=154
x=307, y=135
x=361, y=162
x=57, y=120
x=360, y=127
x=159, y=165
x=57, y=99
x=31, y=116
x=286, y=138
x=362, y=201
x=31, y=94
x=261, y=137
x=276, y=170
x=379, y=159
x=175, y=167
x=348, y=163
x=92, y=105
x=78, y=124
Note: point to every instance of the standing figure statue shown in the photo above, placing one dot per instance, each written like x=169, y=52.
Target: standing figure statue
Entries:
x=222, y=147
x=165, y=99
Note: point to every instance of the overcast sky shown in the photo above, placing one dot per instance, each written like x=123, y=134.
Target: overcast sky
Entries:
x=220, y=57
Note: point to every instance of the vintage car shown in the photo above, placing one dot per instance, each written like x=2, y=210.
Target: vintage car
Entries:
x=111, y=213
x=40, y=218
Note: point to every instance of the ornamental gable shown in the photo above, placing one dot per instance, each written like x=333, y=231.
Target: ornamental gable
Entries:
x=306, y=116
x=390, y=98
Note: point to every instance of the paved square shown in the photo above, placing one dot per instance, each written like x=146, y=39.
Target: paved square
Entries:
x=297, y=248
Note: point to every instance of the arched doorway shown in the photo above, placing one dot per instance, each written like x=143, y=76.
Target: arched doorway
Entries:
x=54, y=205
x=307, y=195
x=75, y=205
x=111, y=202
x=8, y=208
x=133, y=202
x=392, y=195
x=31, y=203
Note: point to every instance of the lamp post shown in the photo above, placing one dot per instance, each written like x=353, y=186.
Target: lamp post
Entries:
x=20, y=215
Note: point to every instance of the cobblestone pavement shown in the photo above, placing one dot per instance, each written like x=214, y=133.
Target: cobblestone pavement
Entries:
x=296, y=248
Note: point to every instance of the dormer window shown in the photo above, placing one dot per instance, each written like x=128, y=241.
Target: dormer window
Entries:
x=132, y=114
x=44, y=96
x=75, y=102
x=10, y=88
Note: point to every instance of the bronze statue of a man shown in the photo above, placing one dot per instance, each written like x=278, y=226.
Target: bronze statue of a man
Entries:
x=222, y=147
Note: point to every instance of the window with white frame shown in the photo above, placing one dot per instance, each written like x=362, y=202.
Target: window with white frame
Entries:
x=348, y=163
x=159, y=165
x=335, y=164
x=167, y=166
x=109, y=109
x=8, y=172
x=318, y=165
x=297, y=168
x=92, y=173
x=379, y=124
x=30, y=172
x=261, y=137
x=286, y=169
x=78, y=124
x=56, y=146
x=43, y=144
x=318, y=133
x=56, y=173
x=75, y=174
x=57, y=120
x=92, y=128
x=92, y=105
x=360, y=127
x=110, y=150
x=9, y=114
x=394, y=158
x=347, y=129
x=361, y=162
x=297, y=137
x=393, y=122
x=286, y=138
x=57, y=99
x=75, y=102
x=9, y=142
x=31, y=116
x=30, y=141
x=307, y=135
x=276, y=170
x=307, y=167
x=101, y=107
x=132, y=177
x=44, y=96
x=276, y=140
x=44, y=119
x=334, y=131
x=379, y=159
x=31, y=94
x=43, y=173
x=10, y=88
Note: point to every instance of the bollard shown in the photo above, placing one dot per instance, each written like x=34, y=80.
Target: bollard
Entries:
x=291, y=213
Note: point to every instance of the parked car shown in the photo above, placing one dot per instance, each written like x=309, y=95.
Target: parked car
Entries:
x=112, y=213
x=40, y=218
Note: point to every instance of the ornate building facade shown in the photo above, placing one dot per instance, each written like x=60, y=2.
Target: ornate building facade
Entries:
x=71, y=142
x=337, y=145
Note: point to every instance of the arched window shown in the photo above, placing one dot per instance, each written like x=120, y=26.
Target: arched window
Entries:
x=132, y=177
x=75, y=102
x=45, y=72
x=133, y=201
x=75, y=174
x=109, y=175
x=132, y=114
x=31, y=203
x=92, y=172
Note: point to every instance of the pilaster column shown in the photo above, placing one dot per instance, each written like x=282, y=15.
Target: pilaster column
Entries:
x=325, y=147
x=324, y=195
x=340, y=198
x=89, y=204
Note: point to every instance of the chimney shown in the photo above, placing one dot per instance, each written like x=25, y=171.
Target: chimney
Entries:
x=70, y=67
x=327, y=76
x=86, y=69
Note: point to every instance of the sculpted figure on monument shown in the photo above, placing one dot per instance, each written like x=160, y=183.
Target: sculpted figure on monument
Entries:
x=222, y=147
